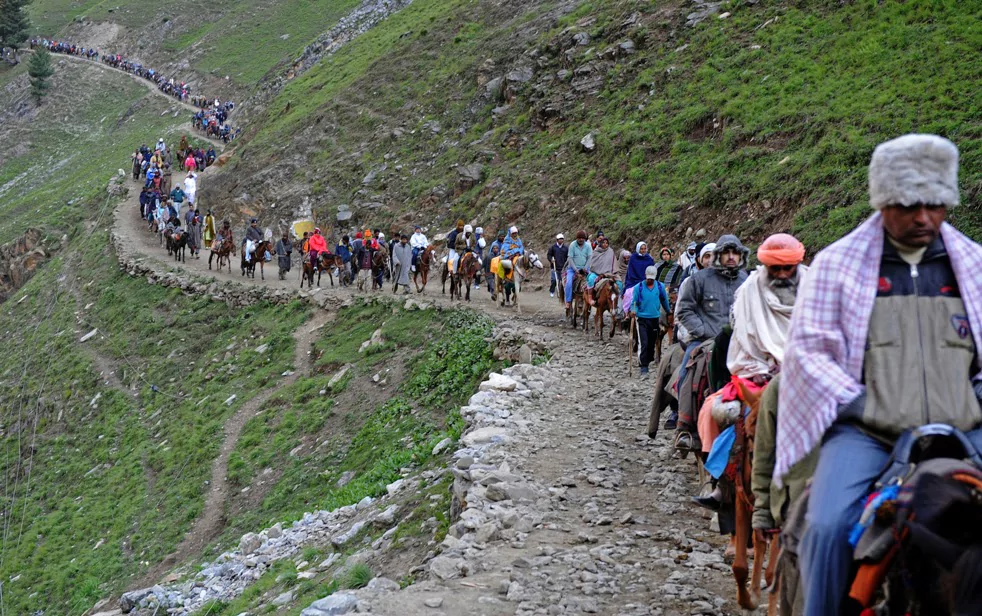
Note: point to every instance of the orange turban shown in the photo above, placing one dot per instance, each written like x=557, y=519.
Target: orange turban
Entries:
x=781, y=249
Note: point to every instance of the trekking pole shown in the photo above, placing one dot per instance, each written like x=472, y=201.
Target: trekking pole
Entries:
x=630, y=343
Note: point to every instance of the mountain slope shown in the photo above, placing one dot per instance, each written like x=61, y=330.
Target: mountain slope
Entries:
x=763, y=120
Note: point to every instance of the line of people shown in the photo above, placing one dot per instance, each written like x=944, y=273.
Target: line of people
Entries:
x=212, y=117
x=879, y=335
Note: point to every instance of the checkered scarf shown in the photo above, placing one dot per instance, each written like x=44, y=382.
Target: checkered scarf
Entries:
x=823, y=361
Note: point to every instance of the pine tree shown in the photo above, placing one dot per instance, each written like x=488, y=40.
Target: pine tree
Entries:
x=39, y=68
x=13, y=28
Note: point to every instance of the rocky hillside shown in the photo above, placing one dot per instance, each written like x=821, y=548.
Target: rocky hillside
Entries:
x=645, y=119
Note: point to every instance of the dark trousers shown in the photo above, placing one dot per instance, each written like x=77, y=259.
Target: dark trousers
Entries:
x=648, y=332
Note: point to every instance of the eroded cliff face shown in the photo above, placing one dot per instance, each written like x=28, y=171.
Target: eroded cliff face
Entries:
x=20, y=259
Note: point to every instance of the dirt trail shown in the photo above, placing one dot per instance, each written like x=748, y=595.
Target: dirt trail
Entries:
x=211, y=522
x=137, y=242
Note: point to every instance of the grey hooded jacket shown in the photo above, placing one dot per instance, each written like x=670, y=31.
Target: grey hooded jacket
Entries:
x=704, y=307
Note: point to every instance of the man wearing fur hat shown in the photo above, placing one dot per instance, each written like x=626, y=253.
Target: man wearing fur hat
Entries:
x=884, y=338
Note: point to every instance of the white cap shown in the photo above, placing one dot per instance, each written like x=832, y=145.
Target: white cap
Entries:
x=560, y=236
x=913, y=170
x=513, y=230
x=381, y=235
x=479, y=230
x=650, y=272
x=468, y=229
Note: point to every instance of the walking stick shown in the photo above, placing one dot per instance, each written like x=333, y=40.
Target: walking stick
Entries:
x=630, y=358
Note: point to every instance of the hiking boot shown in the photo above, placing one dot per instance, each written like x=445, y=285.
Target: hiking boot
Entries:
x=552, y=295
x=707, y=502
x=673, y=420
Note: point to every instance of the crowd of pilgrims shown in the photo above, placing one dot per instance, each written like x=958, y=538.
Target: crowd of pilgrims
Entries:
x=212, y=115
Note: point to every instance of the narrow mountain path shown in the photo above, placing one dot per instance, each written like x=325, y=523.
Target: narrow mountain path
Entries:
x=211, y=522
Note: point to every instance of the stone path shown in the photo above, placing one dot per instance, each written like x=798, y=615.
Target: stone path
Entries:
x=565, y=507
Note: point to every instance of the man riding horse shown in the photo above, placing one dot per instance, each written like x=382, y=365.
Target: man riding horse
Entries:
x=884, y=337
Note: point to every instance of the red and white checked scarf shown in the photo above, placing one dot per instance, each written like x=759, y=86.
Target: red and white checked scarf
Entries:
x=823, y=362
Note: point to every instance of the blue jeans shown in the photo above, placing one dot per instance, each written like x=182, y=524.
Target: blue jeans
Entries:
x=570, y=274
x=848, y=464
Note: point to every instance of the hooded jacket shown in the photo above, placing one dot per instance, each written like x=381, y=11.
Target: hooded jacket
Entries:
x=704, y=303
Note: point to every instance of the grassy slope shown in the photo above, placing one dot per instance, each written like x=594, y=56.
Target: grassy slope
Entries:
x=99, y=489
x=116, y=474
x=799, y=116
x=375, y=441
x=56, y=164
x=242, y=40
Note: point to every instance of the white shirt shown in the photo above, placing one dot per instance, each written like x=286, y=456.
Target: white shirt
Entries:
x=418, y=240
x=190, y=185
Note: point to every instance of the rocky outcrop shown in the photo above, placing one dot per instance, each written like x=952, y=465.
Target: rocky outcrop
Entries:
x=20, y=259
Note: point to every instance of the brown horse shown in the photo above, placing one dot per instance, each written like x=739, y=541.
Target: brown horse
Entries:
x=577, y=306
x=223, y=252
x=249, y=265
x=606, y=294
x=423, y=263
x=743, y=449
x=325, y=263
x=466, y=271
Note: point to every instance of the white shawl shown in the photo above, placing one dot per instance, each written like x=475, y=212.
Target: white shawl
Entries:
x=761, y=325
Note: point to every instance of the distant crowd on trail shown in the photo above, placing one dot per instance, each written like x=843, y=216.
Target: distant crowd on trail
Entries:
x=212, y=116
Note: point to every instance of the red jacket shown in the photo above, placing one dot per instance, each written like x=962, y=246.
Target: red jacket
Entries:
x=318, y=243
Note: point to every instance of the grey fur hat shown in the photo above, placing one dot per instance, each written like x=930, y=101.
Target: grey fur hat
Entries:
x=914, y=169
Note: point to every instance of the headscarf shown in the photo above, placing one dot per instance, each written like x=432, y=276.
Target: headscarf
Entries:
x=637, y=247
x=781, y=249
x=636, y=268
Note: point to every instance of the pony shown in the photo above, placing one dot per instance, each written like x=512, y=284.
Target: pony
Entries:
x=508, y=284
x=177, y=243
x=223, y=251
x=577, y=305
x=606, y=295
x=742, y=452
x=258, y=256
x=423, y=263
x=467, y=269
x=325, y=263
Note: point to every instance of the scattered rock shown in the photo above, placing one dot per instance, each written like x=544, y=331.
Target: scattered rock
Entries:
x=588, y=143
x=89, y=335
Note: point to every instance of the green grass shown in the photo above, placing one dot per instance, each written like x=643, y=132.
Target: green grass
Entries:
x=358, y=576
x=695, y=126
x=77, y=141
x=117, y=475
x=375, y=442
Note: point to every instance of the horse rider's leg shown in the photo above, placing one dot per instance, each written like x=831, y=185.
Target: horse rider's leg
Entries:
x=848, y=464
x=570, y=275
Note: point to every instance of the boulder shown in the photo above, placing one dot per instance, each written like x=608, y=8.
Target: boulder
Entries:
x=335, y=605
x=498, y=382
x=249, y=543
x=588, y=143
x=445, y=567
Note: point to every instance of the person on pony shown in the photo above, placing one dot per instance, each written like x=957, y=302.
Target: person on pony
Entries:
x=418, y=243
x=703, y=308
x=252, y=238
x=603, y=262
x=761, y=319
x=513, y=246
x=884, y=337
x=224, y=234
x=664, y=263
x=637, y=265
x=452, y=243
x=580, y=253
x=317, y=245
